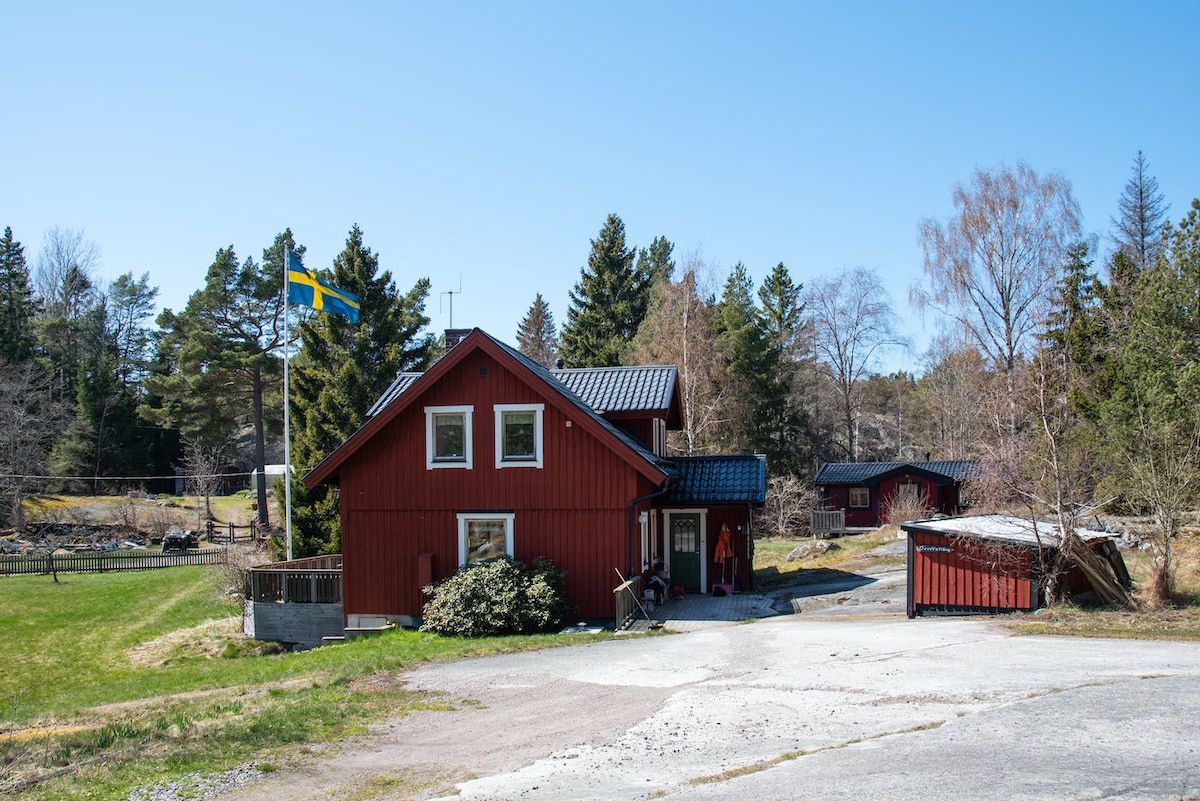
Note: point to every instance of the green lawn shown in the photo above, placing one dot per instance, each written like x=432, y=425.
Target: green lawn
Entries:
x=112, y=681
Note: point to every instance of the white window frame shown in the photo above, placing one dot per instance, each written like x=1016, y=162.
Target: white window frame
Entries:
x=660, y=436
x=465, y=517
x=433, y=463
x=538, y=410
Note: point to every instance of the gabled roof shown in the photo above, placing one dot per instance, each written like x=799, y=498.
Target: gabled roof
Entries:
x=405, y=391
x=622, y=389
x=606, y=390
x=948, y=471
x=719, y=479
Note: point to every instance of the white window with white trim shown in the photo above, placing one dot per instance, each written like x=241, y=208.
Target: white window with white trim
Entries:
x=519, y=434
x=484, y=535
x=448, y=441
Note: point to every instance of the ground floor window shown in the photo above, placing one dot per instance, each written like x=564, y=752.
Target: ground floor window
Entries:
x=860, y=498
x=484, y=535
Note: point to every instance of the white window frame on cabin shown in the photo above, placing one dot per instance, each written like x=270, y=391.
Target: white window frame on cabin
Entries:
x=465, y=519
x=432, y=460
x=534, y=459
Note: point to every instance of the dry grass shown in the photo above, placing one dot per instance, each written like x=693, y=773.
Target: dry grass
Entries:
x=1148, y=619
x=771, y=567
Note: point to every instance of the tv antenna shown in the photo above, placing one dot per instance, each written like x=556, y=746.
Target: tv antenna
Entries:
x=451, y=293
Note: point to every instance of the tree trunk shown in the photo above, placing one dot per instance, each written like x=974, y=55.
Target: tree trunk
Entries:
x=260, y=449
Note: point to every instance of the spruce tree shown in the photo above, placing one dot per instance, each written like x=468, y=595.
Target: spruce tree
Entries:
x=341, y=370
x=1142, y=210
x=537, y=337
x=18, y=307
x=608, y=303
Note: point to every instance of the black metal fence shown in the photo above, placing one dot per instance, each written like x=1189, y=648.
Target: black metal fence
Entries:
x=104, y=562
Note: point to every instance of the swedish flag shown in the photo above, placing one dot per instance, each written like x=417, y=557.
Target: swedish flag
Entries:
x=306, y=289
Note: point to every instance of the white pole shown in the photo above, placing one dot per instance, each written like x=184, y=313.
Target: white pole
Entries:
x=287, y=423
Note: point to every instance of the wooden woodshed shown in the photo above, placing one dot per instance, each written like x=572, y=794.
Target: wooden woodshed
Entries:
x=986, y=564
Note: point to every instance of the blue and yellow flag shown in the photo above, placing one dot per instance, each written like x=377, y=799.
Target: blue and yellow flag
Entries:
x=306, y=289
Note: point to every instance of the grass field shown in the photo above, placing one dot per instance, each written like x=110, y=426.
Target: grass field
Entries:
x=113, y=681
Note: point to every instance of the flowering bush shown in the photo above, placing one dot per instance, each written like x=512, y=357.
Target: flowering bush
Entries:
x=498, y=596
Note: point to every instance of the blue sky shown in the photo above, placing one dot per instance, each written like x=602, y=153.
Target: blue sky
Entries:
x=485, y=143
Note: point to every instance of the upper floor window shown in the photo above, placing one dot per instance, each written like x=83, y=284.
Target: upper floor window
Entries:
x=519, y=434
x=448, y=437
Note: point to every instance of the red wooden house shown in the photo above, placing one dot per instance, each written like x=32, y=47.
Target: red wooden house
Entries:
x=489, y=453
x=865, y=490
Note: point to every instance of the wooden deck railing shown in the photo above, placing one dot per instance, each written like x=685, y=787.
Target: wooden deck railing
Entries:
x=626, y=596
x=822, y=522
x=315, y=580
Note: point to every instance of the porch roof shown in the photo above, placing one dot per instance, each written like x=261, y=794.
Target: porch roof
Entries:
x=719, y=479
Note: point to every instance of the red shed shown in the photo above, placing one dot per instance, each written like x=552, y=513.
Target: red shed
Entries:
x=490, y=453
x=989, y=564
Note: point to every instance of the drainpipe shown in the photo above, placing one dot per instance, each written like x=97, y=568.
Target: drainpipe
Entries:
x=633, y=518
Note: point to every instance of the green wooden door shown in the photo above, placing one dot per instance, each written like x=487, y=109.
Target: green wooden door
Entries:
x=685, y=550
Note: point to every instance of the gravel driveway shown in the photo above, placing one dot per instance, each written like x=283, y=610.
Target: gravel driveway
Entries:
x=848, y=699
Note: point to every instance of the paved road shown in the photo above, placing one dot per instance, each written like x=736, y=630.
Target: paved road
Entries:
x=930, y=708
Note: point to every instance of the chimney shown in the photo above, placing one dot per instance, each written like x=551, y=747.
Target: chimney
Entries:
x=454, y=336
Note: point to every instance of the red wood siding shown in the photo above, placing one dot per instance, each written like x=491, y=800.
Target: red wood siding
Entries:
x=573, y=511
x=953, y=574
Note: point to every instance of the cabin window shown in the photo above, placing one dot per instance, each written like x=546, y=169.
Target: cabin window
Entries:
x=908, y=491
x=519, y=435
x=860, y=498
x=448, y=437
x=484, y=535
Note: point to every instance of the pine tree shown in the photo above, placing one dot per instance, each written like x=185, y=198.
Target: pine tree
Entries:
x=223, y=355
x=536, y=335
x=608, y=303
x=18, y=307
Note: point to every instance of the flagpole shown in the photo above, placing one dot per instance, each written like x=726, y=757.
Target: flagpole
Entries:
x=287, y=421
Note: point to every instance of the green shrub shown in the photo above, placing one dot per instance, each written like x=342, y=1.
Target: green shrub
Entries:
x=498, y=596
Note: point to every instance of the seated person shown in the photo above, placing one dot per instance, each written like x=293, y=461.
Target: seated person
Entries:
x=659, y=581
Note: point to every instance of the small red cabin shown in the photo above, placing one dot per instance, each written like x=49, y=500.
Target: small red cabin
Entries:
x=989, y=564
x=865, y=490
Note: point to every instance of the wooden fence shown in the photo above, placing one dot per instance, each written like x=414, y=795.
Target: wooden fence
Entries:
x=231, y=533
x=316, y=580
x=104, y=562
